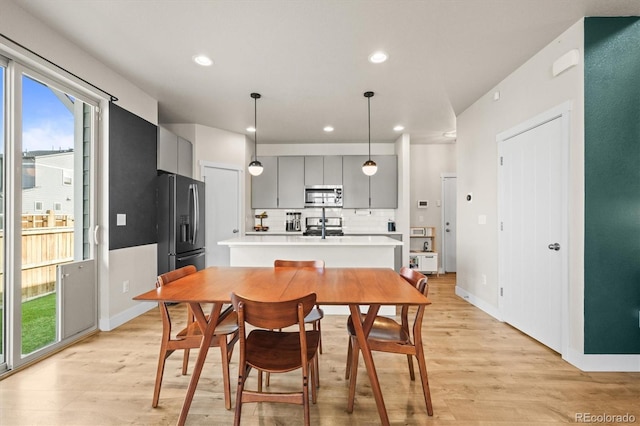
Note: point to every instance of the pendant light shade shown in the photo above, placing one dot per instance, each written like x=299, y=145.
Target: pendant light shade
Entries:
x=369, y=167
x=255, y=167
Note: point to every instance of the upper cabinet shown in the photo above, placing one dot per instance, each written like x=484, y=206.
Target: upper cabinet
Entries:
x=291, y=182
x=383, y=186
x=379, y=191
x=281, y=184
x=323, y=170
x=264, y=188
x=175, y=154
x=355, y=184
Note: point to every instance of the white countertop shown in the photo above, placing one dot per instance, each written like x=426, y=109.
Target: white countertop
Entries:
x=297, y=240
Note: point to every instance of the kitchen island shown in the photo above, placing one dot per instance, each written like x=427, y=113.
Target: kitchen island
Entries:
x=337, y=252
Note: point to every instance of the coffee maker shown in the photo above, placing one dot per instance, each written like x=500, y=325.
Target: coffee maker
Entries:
x=293, y=221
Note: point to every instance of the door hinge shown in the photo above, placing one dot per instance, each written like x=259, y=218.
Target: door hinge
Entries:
x=501, y=291
x=501, y=161
x=502, y=226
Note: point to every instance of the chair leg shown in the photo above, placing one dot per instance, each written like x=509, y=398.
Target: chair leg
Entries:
x=222, y=342
x=164, y=354
x=348, y=367
x=317, y=368
x=243, y=371
x=353, y=374
x=185, y=361
x=306, y=382
x=313, y=368
x=260, y=380
x=422, y=365
x=316, y=326
x=410, y=362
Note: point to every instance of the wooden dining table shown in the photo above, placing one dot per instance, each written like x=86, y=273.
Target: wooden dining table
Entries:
x=353, y=287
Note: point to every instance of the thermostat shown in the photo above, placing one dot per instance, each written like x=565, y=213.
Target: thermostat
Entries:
x=423, y=204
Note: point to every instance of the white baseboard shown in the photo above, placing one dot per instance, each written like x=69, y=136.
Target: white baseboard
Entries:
x=117, y=320
x=478, y=303
x=584, y=362
x=597, y=362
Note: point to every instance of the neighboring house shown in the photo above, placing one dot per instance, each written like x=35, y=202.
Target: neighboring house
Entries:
x=47, y=182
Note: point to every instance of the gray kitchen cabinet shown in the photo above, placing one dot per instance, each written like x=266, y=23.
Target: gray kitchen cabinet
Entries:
x=175, y=154
x=323, y=170
x=355, y=184
x=384, y=184
x=264, y=188
x=291, y=182
x=185, y=157
x=379, y=191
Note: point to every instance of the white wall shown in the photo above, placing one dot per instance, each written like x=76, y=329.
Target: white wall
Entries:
x=428, y=163
x=527, y=92
x=113, y=266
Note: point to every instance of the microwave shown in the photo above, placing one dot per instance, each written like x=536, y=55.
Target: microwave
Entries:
x=323, y=196
x=418, y=232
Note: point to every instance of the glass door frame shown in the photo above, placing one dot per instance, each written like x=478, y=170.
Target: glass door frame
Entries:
x=13, y=198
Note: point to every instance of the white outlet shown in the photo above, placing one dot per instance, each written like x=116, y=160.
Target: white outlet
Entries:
x=484, y=279
x=125, y=286
x=420, y=218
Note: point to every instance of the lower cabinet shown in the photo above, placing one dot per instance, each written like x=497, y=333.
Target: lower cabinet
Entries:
x=424, y=261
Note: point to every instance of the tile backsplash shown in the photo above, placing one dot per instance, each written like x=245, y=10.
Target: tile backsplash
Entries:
x=354, y=221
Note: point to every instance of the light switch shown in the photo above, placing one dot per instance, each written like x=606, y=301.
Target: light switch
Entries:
x=121, y=219
x=482, y=219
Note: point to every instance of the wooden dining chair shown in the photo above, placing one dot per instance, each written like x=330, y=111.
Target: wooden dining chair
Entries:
x=190, y=337
x=316, y=313
x=387, y=335
x=269, y=350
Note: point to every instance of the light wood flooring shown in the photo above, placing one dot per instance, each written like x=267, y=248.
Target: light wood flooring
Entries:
x=481, y=372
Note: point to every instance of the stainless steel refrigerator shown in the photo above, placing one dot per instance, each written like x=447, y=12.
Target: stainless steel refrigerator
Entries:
x=180, y=223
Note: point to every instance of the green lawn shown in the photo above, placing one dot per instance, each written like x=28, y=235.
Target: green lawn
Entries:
x=38, y=323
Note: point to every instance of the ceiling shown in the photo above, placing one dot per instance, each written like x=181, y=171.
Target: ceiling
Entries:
x=309, y=58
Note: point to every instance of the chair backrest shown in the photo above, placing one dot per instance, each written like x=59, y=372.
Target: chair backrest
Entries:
x=317, y=264
x=419, y=281
x=165, y=279
x=273, y=315
x=415, y=278
x=171, y=276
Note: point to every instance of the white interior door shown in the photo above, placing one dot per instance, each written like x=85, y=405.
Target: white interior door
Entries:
x=532, y=235
x=222, y=210
x=449, y=223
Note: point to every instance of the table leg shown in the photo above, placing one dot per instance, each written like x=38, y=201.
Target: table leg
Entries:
x=362, y=331
x=208, y=328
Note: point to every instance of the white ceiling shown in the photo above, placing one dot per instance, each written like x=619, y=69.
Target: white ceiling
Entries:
x=308, y=58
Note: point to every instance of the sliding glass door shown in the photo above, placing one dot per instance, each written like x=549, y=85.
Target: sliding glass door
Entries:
x=3, y=310
x=48, y=215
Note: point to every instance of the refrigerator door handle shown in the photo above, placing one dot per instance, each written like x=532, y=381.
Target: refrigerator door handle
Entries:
x=196, y=213
x=191, y=256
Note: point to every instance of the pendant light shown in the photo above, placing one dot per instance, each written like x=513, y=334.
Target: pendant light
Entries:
x=255, y=167
x=369, y=167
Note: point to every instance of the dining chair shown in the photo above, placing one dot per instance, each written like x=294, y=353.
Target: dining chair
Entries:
x=387, y=335
x=316, y=313
x=190, y=337
x=269, y=350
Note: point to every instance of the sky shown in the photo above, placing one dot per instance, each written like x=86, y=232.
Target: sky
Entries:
x=47, y=123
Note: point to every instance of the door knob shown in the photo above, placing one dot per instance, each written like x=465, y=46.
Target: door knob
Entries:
x=554, y=246
x=235, y=231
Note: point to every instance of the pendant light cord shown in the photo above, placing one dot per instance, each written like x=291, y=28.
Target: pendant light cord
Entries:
x=255, y=126
x=369, y=114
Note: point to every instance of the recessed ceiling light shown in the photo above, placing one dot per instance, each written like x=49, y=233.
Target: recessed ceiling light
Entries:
x=378, y=57
x=251, y=129
x=398, y=128
x=328, y=129
x=203, y=60
x=450, y=134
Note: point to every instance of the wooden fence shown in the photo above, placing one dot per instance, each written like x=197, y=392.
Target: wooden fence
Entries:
x=47, y=241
